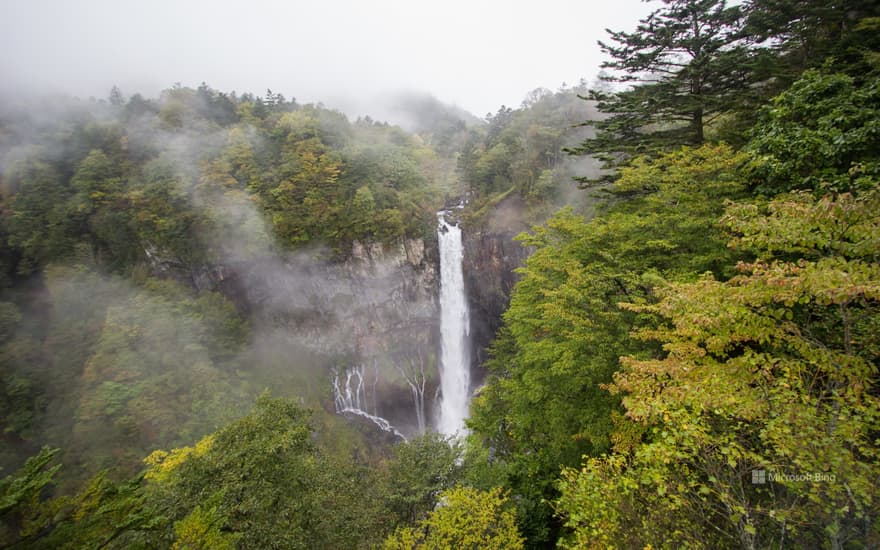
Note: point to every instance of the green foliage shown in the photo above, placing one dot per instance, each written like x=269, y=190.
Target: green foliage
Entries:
x=96, y=181
x=20, y=497
x=702, y=68
x=522, y=149
x=20, y=395
x=171, y=182
x=339, y=183
x=772, y=370
x=543, y=405
x=804, y=34
x=39, y=224
x=164, y=222
x=203, y=528
x=260, y=482
x=145, y=189
x=155, y=343
x=769, y=373
x=421, y=469
x=821, y=134
x=109, y=371
x=103, y=514
x=363, y=213
x=465, y=518
x=727, y=368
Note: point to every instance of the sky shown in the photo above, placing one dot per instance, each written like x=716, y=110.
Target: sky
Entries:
x=347, y=54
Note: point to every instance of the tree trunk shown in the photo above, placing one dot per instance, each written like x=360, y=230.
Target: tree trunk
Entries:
x=697, y=124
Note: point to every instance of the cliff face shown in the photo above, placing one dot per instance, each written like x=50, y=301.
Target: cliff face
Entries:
x=366, y=328
x=490, y=258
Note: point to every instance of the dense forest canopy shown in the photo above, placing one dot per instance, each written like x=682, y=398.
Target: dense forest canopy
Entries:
x=111, y=212
x=689, y=359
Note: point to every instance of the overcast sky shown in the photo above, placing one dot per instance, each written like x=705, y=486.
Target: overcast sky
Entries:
x=345, y=53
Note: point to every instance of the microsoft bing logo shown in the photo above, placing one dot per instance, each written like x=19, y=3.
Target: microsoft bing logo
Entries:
x=761, y=477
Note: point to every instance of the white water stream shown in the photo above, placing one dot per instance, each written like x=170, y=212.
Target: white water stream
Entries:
x=455, y=377
x=349, y=396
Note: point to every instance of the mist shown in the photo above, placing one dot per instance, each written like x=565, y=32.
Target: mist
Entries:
x=159, y=276
x=199, y=331
x=347, y=54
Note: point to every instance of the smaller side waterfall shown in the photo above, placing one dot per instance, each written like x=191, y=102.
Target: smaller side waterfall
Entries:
x=349, y=397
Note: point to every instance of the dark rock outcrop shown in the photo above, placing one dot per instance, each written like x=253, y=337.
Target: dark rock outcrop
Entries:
x=491, y=257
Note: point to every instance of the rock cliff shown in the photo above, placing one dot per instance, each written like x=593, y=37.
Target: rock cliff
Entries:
x=374, y=314
x=491, y=257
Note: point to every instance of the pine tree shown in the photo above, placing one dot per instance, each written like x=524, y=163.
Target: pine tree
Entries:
x=116, y=98
x=686, y=66
x=803, y=34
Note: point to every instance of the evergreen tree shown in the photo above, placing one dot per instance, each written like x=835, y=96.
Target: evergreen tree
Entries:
x=685, y=62
x=116, y=97
x=803, y=34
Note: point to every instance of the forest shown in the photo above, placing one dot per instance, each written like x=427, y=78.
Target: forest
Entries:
x=689, y=357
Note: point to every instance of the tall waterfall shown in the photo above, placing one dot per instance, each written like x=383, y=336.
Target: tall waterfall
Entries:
x=454, y=322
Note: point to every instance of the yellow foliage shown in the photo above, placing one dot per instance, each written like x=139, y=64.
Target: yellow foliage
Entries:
x=162, y=463
x=464, y=518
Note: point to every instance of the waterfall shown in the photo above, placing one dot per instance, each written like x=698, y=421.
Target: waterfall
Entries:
x=454, y=326
x=350, y=397
x=350, y=386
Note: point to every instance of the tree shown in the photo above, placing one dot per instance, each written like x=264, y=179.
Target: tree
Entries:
x=305, y=204
x=822, y=134
x=492, y=169
x=261, y=482
x=543, y=405
x=756, y=427
x=105, y=211
x=20, y=509
x=420, y=470
x=686, y=60
x=465, y=518
x=102, y=514
x=150, y=341
x=363, y=213
x=166, y=225
x=40, y=224
x=22, y=387
x=116, y=98
x=804, y=34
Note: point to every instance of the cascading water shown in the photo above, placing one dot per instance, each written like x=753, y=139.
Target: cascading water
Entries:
x=454, y=327
x=350, y=387
x=349, y=396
